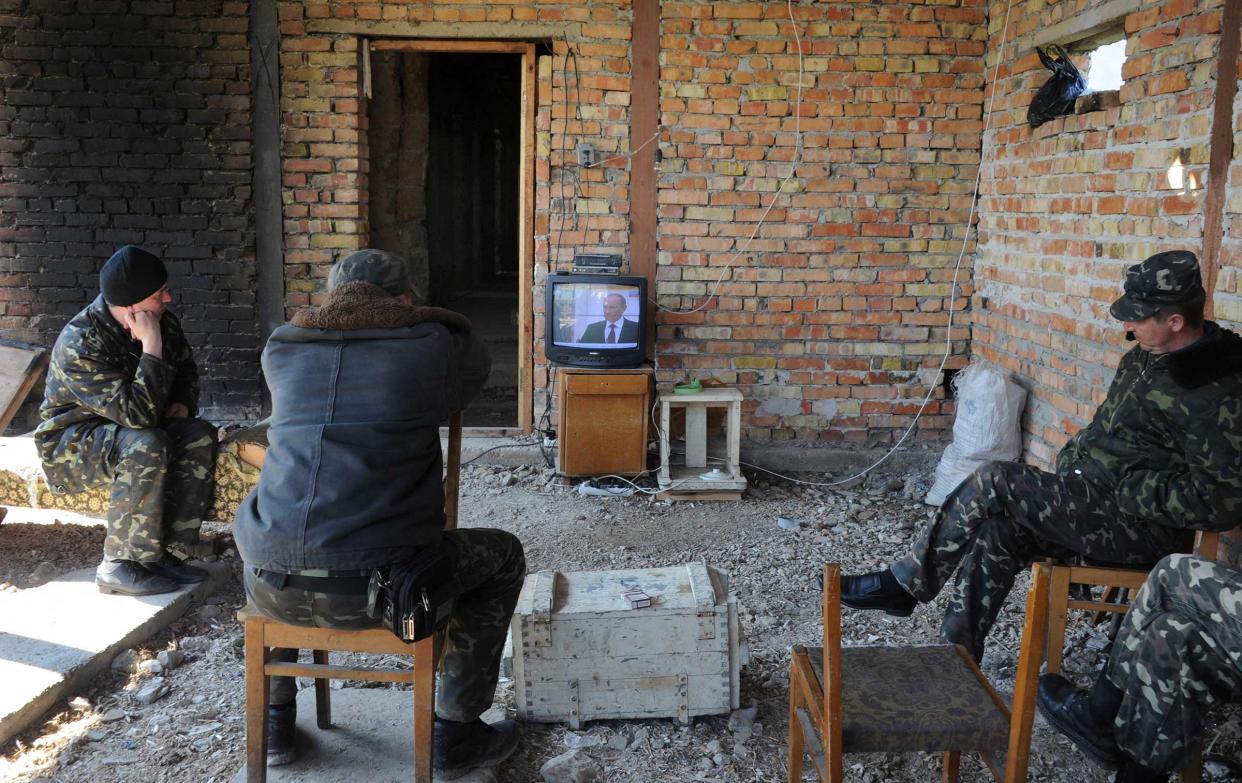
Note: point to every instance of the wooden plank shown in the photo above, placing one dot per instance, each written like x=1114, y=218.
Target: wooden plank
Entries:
x=832, y=722
x=696, y=436
x=377, y=640
x=1221, y=150
x=21, y=367
x=1026, y=682
x=335, y=672
x=444, y=46
x=526, y=246
x=644, y=123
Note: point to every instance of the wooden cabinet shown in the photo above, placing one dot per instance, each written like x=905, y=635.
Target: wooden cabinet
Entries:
x=603, y=421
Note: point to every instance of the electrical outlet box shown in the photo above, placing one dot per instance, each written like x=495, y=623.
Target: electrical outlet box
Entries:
x=586, y=154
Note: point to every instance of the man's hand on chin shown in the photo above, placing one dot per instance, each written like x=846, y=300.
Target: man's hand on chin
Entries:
x=177, y=410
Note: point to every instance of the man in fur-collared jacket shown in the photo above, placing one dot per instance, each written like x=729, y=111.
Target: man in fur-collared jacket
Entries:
x=1161, y=457
x=352, y=482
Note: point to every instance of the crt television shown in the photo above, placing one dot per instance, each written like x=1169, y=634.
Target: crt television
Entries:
x=596, y=320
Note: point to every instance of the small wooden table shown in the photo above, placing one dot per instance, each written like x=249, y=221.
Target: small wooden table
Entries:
x=688, y=476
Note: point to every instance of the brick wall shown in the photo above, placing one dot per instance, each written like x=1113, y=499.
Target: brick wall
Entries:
x=833, y=320
x=130, y=123
x=1067, y=206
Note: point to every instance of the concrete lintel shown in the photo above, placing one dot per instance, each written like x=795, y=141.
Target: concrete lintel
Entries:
x=55, y=638
x=1086, y=24
x=513, y=31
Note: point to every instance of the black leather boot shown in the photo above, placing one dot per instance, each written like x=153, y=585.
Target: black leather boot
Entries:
x=281, y=735
x=877, y=590
x=128, y=577
x=462, y=747
x=1068, y=708
x=171, y=567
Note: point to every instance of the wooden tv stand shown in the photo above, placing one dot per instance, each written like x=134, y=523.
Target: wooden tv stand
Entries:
x=604, y=416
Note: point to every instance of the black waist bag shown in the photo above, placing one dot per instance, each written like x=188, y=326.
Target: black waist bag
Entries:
x=418, y=595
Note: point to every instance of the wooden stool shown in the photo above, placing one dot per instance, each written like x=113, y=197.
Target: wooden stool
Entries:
x=687, y=477
x=263, y=633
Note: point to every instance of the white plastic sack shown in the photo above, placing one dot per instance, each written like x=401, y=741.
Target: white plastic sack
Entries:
x=987, y=426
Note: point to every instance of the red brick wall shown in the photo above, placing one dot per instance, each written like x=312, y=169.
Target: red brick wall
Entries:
x=1067, y=206
x=833, y=316
x=130, y=123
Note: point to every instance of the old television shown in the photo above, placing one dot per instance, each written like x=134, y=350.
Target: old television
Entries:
x=596, y=320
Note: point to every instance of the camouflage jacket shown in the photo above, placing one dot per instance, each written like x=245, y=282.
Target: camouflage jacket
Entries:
x=1167, y=441
x=99, y=374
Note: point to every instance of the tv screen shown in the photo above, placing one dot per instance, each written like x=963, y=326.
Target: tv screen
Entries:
x=596, y=320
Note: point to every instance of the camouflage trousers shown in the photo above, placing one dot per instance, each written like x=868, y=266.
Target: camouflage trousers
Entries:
x=998, y=521
x=162, y=482
x=490, y=567
x=1179, y=652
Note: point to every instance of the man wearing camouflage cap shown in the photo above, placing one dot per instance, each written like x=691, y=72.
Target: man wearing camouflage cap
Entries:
x=351, y=483
x=1179, y=652
x=118, y=409
x=1158, y=460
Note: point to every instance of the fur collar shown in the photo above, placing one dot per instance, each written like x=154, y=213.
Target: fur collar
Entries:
x=1215, y=355
x=360, y=305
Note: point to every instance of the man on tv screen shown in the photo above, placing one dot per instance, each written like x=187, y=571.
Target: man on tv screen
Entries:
x=615, y=328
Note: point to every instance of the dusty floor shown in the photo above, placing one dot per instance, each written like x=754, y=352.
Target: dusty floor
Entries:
x=195, y=733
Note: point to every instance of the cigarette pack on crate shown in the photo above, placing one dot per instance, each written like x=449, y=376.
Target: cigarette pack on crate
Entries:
x=585, y=649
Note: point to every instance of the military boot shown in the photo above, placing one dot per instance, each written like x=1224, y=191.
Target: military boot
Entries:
x=128, y=577
x=1131, y=772
x=463, y=747
x=281, y=735
x=1085, y=717
x=171, y=567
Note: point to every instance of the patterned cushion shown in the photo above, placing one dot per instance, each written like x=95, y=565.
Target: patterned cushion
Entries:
x=22, y=483
x=903, y=699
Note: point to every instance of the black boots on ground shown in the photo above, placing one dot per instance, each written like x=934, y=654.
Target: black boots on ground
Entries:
x=463, y=747
x=1086, y=718
x=281, y=736
x=129, y=577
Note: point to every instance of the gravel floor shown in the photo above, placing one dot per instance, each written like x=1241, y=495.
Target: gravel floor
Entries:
x=195, y=732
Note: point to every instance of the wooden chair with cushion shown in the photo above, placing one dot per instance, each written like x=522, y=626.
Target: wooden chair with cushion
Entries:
x=888, y=699
x=263, y=633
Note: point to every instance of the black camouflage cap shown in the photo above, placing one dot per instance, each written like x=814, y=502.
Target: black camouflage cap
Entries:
x=1167, y=278
x=371, y=266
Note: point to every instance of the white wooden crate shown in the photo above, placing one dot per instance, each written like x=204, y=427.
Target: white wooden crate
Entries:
x=581, y=653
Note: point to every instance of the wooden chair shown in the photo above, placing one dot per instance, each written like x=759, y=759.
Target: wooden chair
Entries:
x=1043, y=635
x=1117, y=581
x=887, y=699
x=263, y=633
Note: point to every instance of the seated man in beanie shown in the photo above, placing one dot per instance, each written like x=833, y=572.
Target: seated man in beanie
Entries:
x=1178, y=653
x=1159, y=459
x=352, y=482
x=118, y=408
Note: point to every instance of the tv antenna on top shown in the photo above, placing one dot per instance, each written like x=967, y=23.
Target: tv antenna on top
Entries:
x=597, y=263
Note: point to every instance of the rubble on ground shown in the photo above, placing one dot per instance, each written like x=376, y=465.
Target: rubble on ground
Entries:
x=172, y=708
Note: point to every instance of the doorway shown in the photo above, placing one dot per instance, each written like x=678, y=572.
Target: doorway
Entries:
x=449, y=188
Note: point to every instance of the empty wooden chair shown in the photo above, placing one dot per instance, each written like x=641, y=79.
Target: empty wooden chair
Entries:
x=888, y=699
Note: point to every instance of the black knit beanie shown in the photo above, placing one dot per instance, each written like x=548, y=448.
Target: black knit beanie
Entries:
x=131, y=275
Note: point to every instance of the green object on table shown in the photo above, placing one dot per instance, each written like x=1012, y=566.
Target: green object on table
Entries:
x=691, y=387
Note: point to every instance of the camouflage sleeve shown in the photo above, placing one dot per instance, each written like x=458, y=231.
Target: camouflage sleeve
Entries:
x=1204, y=493
x=107, y=391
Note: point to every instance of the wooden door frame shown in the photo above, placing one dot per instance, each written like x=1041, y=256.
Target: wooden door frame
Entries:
x=526, y=196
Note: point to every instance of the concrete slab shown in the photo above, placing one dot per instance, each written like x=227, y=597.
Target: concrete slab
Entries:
x=55, y=638
x=372, y=730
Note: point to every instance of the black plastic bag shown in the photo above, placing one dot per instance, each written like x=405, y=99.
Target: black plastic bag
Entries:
x=1056, y=97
